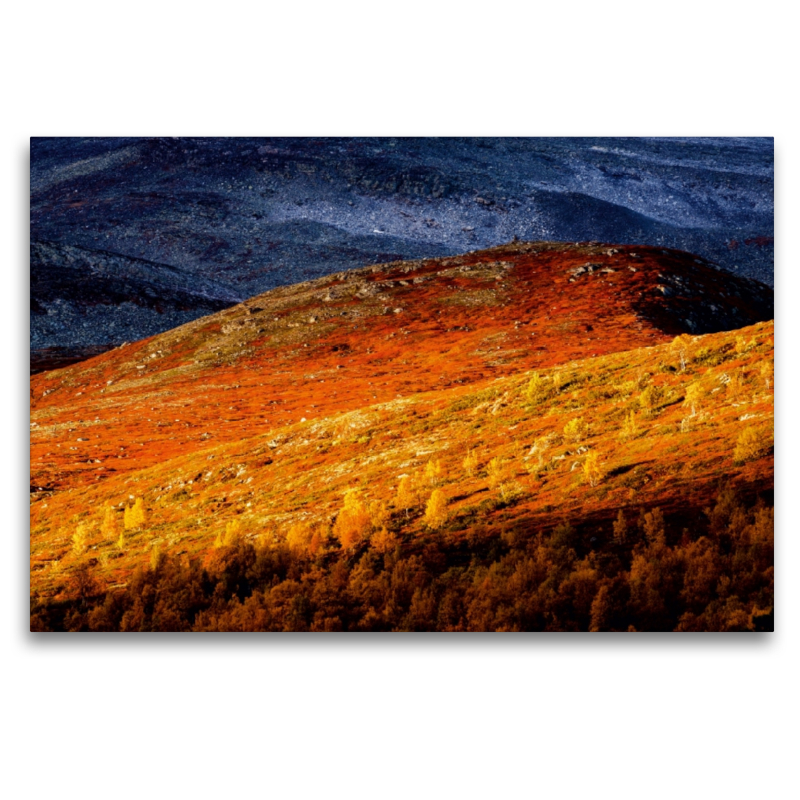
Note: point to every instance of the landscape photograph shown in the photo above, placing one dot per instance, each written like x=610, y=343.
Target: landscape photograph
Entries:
x=383, y=384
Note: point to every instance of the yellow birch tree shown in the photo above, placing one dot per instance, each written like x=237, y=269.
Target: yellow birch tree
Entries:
x=436, y=510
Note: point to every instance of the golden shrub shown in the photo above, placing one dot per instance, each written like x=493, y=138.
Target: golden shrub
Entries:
x=651, y=398
x=470, y=463
x=538, y=389
x=630, y=426
x=749, y=446
x=576, y=430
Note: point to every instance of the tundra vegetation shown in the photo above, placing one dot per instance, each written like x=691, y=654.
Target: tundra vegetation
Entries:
x=628, y=490
x=712, y=571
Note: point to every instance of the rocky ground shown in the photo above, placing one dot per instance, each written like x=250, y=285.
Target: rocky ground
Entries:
x=88, y=298
x=135, y=236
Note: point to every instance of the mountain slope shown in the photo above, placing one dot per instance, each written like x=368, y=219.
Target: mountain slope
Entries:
x=656, y=441
x=533, y=385
x=373, y=335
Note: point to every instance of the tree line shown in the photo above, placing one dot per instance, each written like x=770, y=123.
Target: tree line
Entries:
x=643, y=571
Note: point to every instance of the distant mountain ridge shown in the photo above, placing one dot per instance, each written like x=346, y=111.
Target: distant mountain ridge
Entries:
x=79, y=297
x=255, y=213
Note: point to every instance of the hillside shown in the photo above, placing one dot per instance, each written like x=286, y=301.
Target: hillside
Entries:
x=369, y=336
x=534, y=386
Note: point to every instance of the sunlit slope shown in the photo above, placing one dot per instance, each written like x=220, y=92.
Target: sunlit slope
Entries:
x=660, y=425
x=366, y=338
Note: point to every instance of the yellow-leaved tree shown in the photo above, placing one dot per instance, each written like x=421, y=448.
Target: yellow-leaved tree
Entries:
x=620, y=529
x=353, y=521
x=318, y=537
x=592, y=470
x=378, y=514
x=743, y=345
x=383, y=541
x=470, y=463
x=156, y=557
x=749, y=446
x=536, y=454
x=766, y=371
x=109, y=527
x=135, y=515
x=436, y=510
x=299, y=535
x=406, y=494
x=653, y=527
x=735, y=386
x=694, y=396
x=630, y=427
x=434, y=472
x=680, y=347
x=560, y=379
x=80, y=539
x=651, y=398
x=231, y=534
x=499, y=473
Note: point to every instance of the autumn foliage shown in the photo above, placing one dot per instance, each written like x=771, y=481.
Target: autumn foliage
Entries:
x=647, y=571
x=135, y=515
x=500, y=455
x=436, y=510
x=353, y=522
